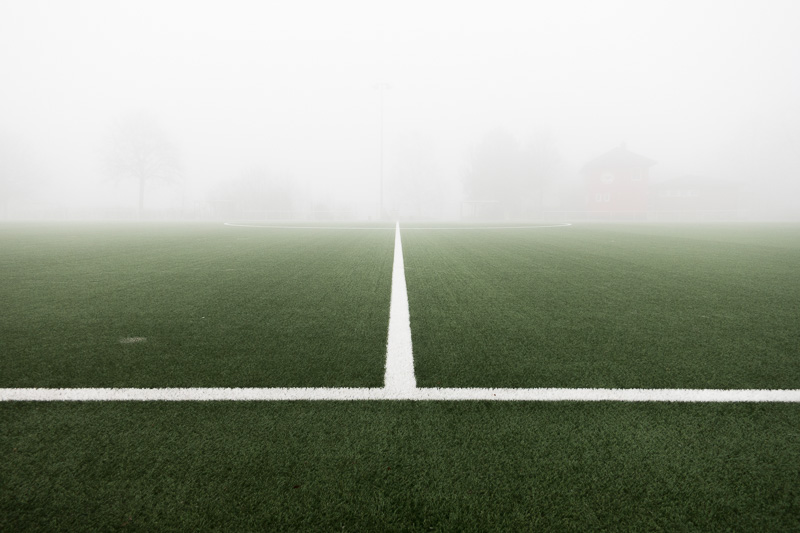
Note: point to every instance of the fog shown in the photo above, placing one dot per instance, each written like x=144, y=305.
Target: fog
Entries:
x=345, y=110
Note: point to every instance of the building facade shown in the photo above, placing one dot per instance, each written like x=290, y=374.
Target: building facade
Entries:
x=617, y=185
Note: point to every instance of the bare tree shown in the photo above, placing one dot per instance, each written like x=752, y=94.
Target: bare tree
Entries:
x=139, y=150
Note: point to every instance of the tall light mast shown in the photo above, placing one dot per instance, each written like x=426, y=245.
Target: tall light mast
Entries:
x=381, y=87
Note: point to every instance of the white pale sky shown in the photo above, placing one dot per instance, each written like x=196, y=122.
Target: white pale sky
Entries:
x=290, y=85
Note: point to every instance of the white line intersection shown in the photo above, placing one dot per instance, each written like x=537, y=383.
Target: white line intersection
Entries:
x=400, y=381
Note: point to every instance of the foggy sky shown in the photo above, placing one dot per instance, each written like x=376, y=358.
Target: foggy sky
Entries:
x=702, y=87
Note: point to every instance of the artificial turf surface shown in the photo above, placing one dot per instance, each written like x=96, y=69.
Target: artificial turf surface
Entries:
x=644, y=306
x=193, y=306
x=489, y=308
x=399, y=466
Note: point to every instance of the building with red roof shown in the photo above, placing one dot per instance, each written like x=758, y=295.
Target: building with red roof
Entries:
x=617, y=185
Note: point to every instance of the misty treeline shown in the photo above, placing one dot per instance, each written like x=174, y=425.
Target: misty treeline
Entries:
x=270, y=109
x=499, y=176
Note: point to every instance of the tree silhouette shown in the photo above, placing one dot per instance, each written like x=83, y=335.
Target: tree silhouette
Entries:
x=139, y=150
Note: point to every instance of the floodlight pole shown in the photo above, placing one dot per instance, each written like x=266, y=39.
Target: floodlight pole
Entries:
x=381, y=87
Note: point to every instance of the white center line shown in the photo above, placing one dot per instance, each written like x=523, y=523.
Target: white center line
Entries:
x=399, y=378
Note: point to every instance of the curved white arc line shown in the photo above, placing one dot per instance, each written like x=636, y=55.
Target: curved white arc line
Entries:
x=564, y=225
x=231, y=224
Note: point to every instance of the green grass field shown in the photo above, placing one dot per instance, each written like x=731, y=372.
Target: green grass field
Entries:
x=583, y=306
x=215, y=306
x=400, y=466
x=606, y=306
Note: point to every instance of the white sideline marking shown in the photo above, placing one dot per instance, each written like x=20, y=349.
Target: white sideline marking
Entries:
x=399, y=377
x=415, y=394
x=189, y=394
x=400, y=383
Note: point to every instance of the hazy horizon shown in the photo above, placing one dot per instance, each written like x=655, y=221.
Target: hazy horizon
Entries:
x=276, y=104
